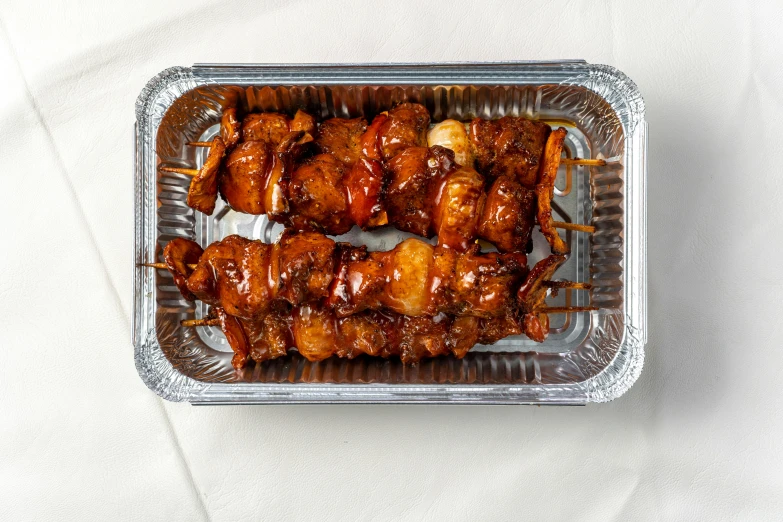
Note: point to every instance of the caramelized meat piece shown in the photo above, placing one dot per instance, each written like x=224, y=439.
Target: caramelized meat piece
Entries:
x=536, y=326
x=303, y=122
x=509, y=215
x=318, y=197
x=415, y=176
x=463, y=335
x=284, y=162
x=421, y=337
x=233, y=274
x=545, y=190
x=236, y=337
x=370, y=142
x=497, y=328
x=178, y=254
x=531, y=297
x=509, y=147
x=405, y=126
x=359, y=281
x=532, y=294
x=255, y=176
x=342, y=139
x=230, y=128
x=364, y=188
x=202, y=194
x=267, y=127
x=244, y=177
x=306, y=264
x=459, y=205
x=270, y=337
x=359, y=334
x=484, y=285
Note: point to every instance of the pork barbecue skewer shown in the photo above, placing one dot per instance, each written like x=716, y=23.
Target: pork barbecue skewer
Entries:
x=413, y=301
x=381, y=173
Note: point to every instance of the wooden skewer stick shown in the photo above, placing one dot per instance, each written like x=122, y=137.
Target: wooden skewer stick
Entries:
x=200, y=322
x=584, y=162
x=574, y=226
x=200, y=143
x=188, y=172
x=163, y=266
x=568, y=284
x=564, y=309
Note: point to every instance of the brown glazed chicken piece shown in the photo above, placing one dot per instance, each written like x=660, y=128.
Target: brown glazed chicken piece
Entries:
x=545, y=190
x=268, y=127
x=414, y=179
x=509, y=147
x=234, y=274
x=304, y=122
x=255, y=175
x=532, y=295
x=203, y=190
x=342, y=139
x=497, y=328
x=306, y=266
x=403, y=126
x=364, y=192
x=270, y=337
x=509, y=215
x=318, y=197
x=458, y=207
x=236, y=337
x=178, y=254
x=244, y=177
x=230, y=128
x=272, y=127
x=484, y=284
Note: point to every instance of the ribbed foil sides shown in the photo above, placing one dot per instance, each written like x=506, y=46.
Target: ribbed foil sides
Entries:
x=588, y=357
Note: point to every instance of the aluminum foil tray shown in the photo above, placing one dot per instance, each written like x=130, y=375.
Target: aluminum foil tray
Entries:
x=588, y=357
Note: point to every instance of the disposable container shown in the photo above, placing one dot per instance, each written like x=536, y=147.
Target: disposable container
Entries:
x=588, y=357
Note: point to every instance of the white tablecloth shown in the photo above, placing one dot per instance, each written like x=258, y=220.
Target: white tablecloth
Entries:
x=699, y=435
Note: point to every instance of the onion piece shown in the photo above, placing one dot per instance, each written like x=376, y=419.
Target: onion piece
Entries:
x=452, y=135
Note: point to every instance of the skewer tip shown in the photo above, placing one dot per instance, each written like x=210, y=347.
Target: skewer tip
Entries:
x=584, y=162
x=177, y=170
x=153, y=265
x=200, y=322
x=590, y=229
x=564, y=309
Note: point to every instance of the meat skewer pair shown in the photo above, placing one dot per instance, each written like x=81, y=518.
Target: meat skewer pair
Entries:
x=328, y=298
x=384, y=173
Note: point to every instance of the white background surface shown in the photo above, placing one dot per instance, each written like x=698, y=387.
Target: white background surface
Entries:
x=698, y=437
